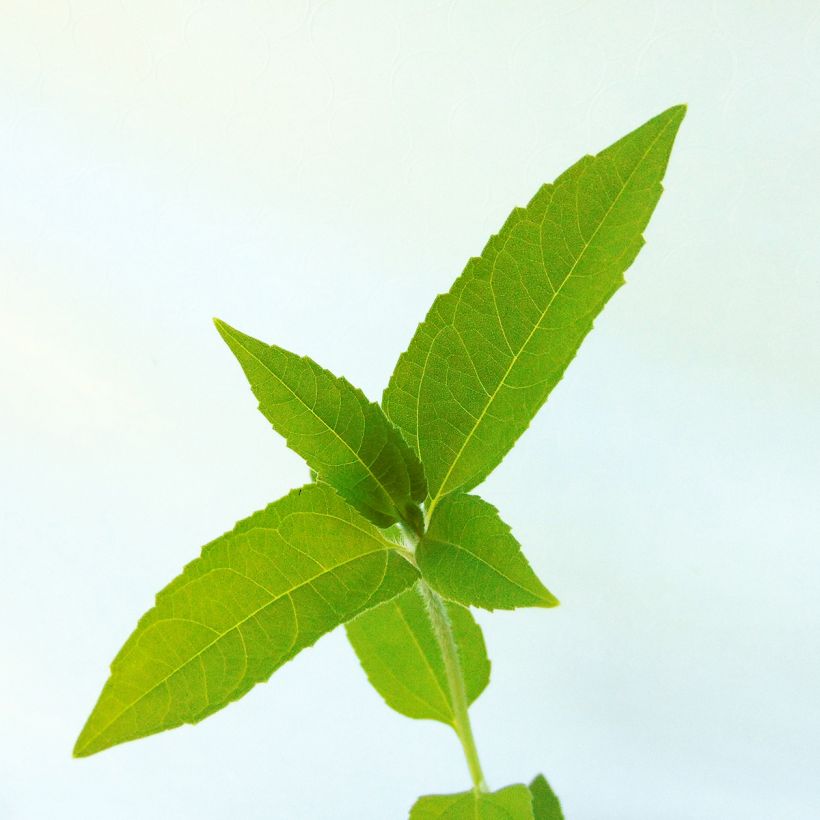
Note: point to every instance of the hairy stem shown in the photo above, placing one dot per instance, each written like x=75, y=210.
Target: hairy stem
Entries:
x=455, y=682
x=452, y=664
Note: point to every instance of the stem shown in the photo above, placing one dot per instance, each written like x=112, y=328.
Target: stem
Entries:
x=455, y=681
x=443, y=632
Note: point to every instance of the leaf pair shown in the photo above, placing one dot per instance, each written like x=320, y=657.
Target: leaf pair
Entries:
x=283, y=577
x=538, y=802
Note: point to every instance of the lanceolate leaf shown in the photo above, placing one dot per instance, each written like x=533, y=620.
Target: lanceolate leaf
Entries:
x=545, y=804
x=256, y=597
x=469, y=555
x=397, y=648
x=489, y=352
x=345, y=438
x=511, y=803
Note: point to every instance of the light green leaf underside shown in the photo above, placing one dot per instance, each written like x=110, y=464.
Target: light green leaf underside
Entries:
x=398, y=650
x=346, y=439
x=258, y=595
x=469, y=555
x=511, y=803
x=545, y=804
x=490, y=351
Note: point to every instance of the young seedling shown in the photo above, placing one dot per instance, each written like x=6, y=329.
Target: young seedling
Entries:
x=388, y=539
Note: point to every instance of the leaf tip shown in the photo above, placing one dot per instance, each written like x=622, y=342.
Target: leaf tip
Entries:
x=230, y=335
x=548, y=600
x=82, y=747
x=675, y=114
x=544, y=598
x=90, y=740
x=222, y=327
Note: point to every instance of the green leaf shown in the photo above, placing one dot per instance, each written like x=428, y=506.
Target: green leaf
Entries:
x=397, y=648
x=346, y=439
x=469, y=555
x=490, y=351
x=545, y=804
x=511, y=803
x=256, y=597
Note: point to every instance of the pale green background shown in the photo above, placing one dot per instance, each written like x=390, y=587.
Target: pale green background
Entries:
x=315, y=173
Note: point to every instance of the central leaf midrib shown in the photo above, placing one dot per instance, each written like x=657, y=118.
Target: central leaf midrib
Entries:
x=222, y=635
x=486, y=563
x=304, y=404
x=543, y=315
